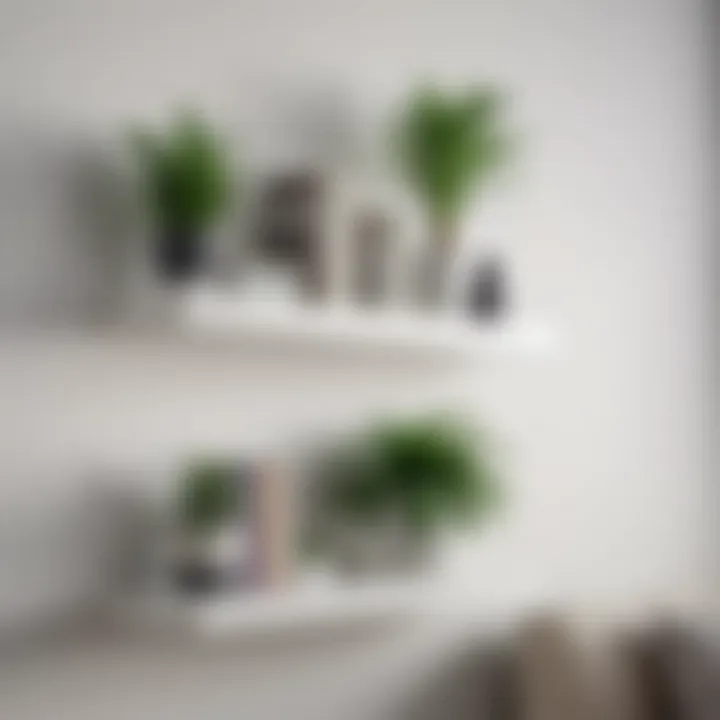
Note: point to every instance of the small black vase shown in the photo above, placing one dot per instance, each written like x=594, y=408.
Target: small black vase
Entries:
x=180, y=253
x=487, y=293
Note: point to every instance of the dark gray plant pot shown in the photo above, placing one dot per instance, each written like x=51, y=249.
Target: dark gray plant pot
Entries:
x=196, y=578
x=180, y=254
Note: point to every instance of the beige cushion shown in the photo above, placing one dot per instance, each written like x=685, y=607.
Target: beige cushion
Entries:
x=554, y=677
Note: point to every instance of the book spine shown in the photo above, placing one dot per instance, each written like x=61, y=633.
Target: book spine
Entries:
x=274, y=527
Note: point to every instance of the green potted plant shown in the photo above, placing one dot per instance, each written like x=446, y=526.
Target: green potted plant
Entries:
x=209, y=509
x=187, y=182
x=393, y=489
x=448, y=145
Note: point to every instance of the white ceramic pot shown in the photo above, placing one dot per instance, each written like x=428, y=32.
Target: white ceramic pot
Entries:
x=385, y=548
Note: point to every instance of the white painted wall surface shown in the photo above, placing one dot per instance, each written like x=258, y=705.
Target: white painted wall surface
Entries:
x=604, y=222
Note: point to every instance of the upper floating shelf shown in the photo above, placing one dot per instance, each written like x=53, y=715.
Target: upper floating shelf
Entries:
x=336, y=326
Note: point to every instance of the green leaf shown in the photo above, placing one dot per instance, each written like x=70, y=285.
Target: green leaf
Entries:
x=450, y=145
x=432, y=471
x=210, y=494
x=187, y=174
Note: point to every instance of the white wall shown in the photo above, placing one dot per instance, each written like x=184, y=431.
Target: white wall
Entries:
x=604, y=223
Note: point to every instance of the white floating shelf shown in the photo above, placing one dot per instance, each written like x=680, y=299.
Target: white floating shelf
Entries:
x=278, y=613
x=213, y=314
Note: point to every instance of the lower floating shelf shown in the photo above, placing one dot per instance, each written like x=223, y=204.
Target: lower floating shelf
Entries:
x=265, y=613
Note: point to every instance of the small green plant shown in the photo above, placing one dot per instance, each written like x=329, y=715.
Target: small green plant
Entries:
x=447, y=145
x=187, y=173
x=429, y=473
x=209, y=496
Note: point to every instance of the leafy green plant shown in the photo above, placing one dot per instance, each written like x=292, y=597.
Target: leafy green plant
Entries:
x=187, y=173
x=428, y=472
x=447, y=145
x=209, y=495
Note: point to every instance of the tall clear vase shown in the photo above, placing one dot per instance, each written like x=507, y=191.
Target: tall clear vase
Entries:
x=435, y=268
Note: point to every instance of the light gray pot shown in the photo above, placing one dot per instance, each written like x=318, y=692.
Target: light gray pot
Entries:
x=382, y=549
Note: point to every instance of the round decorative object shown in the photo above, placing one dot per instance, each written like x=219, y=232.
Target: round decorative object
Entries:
x=486, y=294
